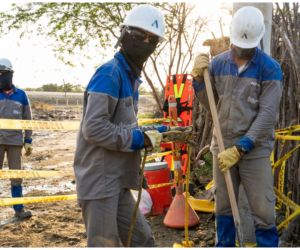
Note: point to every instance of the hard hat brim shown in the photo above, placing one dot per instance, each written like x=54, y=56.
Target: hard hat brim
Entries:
x=245, y=45
x=161, y=39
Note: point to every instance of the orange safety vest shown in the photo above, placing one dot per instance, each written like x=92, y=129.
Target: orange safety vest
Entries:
x=180, y=86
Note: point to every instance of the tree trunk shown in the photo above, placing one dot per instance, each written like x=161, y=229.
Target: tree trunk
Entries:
x=286, y=49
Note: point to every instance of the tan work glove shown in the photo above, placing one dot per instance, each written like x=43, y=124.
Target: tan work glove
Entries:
x=28, y=148
x=152, y=140
x=228, y=158
x=201, y=62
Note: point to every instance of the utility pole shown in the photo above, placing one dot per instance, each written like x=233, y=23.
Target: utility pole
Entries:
x=243, y=205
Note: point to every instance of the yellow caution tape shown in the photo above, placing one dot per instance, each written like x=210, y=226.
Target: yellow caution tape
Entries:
x=57, y=125
x=153, y=186
x=156, y=120
x=157, y=155
x=285, y=157
x=288, y=129
x=272, y=158
x=288, y=202
x=37, y=199
x=288, y=137
x=38, y=125
x=288, y=220
x=150, y=121
x=291, y=205
x=26, y=174
x=209, y=185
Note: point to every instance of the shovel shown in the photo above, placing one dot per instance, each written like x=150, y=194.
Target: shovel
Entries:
x=232, y=198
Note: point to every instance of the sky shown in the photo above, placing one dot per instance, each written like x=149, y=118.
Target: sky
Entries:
x=35, y=63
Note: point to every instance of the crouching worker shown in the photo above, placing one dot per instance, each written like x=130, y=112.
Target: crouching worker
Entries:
x=107, y=158
x=14, y=104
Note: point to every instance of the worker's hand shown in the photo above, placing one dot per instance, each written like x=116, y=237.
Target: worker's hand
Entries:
x=28, y=148
x=228, y=158
x=200, y=64
x=152, y=140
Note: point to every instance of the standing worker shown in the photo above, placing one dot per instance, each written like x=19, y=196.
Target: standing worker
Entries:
x=14, y=104
x=107, y=158
x=248, y=84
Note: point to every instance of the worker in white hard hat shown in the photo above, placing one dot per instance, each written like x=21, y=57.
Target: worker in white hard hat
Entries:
x=107, y=158
x=14, y=104
x=248, y=84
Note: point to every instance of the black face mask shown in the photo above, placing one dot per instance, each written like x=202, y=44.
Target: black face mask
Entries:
x=137, y=50
x=6, y=80
x=240, y=53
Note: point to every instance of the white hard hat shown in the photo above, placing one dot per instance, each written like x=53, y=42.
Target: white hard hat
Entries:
x=5, y=65
x=247, y=27
x=148, y=18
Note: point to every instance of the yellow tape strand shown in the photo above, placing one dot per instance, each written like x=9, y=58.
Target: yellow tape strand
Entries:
x=288, y=137
x=37, y=199
x=150, y=121
x=26, y=174
x=288, y=202
x=146, y=121
x=152, y=186
x=288, y=129
x=291, y=205
x=58, y=125
x=157, y=155
x=38, y=125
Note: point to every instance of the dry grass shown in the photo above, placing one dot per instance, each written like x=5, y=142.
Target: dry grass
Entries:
x=42, y=106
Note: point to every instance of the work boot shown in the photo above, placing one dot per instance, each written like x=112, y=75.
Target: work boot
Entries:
x=22, y=214
x=16, y=192
x=267, y=237
x=225, y=231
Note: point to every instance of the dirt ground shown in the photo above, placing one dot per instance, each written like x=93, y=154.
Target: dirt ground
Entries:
x=59, y=224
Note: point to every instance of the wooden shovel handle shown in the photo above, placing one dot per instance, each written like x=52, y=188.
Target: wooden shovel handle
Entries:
x=214, y=113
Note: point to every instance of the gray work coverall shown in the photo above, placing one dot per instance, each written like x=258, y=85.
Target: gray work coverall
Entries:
x=14, y=105
x=106, y=167
x=248, y=105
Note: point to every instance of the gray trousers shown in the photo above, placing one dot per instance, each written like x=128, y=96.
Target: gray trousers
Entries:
x=107, y=222
x=257, y=179
x=14, y=159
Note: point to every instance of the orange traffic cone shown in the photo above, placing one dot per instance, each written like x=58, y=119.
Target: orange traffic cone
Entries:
x=175, y=217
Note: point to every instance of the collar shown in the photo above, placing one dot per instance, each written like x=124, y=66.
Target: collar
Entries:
x=11, y=91
x=255, y=58
x=120, y=57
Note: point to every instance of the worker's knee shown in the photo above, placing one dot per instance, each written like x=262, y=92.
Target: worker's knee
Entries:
x=149, y=242
x=16, y=182
x=263, y=210
x=222, y=203
x=143, y=236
